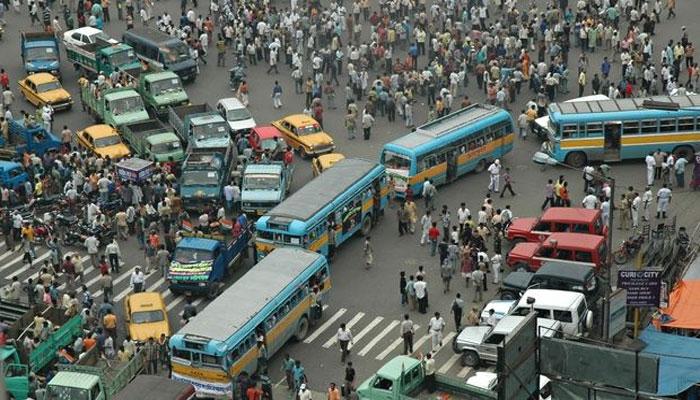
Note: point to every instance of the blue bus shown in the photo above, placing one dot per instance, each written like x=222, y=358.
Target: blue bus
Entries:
x=272, y=301
x=341, y=201
x=620, y=129
x=448, y=147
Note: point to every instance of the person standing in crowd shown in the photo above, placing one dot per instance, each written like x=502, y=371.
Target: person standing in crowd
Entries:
x=407, y=332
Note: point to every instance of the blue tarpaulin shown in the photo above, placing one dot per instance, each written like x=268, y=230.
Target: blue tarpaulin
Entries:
x=679, y=360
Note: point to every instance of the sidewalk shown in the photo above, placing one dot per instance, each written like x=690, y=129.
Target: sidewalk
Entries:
x=281, y=393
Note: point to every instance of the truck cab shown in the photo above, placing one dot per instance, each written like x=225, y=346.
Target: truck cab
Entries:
x=153, y=141
x=40, y=53
x=33, y=139
x=16, y=374
x=160, y=90
x=201, y=263
x=75, y=386
x=123, y=107
x=200, y=126
x=264, y=186
x=12, y=174
x=204, y=173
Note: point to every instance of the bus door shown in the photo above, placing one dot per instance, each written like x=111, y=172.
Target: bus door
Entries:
x=452, y=163
x=612, y=141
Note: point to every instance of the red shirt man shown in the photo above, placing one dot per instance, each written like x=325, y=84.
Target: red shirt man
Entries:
x=433, y=232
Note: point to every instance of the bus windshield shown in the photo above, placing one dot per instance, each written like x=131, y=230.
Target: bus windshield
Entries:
x=396, y=161
x=189, y=256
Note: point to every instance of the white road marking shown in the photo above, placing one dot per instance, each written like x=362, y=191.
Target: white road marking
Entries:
x=377, y=338
x=445, y=342
x=389, y=349
x=12, y=262
x=366, y=330
x=325, y=325
x=333, y=340
x=417, y=345
x=464, y=371
x=449, y=363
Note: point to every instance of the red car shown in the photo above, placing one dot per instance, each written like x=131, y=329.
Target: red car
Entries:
x=262, y=138
x=557, y=219
x=580, y=248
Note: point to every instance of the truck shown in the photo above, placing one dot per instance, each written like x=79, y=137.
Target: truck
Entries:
x=200, y=126
x=151, y=140
x=40, y=53
x=102, y=56
x=264, y=186
x=32, y=139
x=16, y=373
x=160, y=91
x=201, y=262
x=45, y=353
x=113, y=106
x=204, y=174
x=155, y=387
x=403, y=378
x=93, y=378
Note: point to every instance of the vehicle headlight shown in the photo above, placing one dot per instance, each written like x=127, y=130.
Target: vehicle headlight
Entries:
x=202, y=284
x=311, y=146
x=246, y=204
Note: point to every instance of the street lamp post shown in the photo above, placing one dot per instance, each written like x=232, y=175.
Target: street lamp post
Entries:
x=545, y=159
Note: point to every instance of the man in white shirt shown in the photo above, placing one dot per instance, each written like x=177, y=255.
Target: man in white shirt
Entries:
x=435, y=328
x=421, y=288
x=344, y=337
x=590, y=201
x=496, y=267
x=495, y=172
x=588, y=172
x=92, y=244
x=646, y=202
x=663, y=200
x=462, y=214
x=651, y=164
x=137, y=280
x=636, y=203
x=426, y=222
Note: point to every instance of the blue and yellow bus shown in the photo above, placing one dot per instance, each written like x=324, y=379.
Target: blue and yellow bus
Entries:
x=271, y=301
x=620, y=129
x=341, y=201
x=448, y=147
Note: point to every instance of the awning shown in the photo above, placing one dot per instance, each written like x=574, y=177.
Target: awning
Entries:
x=683, y=311
x=679, y=367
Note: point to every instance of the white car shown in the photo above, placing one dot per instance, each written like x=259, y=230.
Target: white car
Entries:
x=86, y=35
x=236, y=114
x=500, y=308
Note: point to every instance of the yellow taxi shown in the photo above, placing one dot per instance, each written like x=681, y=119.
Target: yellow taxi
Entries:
x=104, y=141
x=44, y=88
x=146, y=316
x=304, y=134
x=322, y=163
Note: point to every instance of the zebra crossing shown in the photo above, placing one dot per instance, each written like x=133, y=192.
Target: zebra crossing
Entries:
x=378, y=340
x=12, y=265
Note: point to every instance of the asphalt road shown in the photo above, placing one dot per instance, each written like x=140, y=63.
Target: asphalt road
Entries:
x=368, y=301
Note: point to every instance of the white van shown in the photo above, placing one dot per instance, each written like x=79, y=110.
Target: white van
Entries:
x=569, y=308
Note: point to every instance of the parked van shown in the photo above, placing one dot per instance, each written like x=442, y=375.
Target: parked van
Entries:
x=566, y=247
x=573, y=277
x=161, y=51
x=557, y=219
x=569, y=308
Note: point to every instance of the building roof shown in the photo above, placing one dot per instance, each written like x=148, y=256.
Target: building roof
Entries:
x=570, y=214
x=683, y=306
x=568, y=239
x=74, y=380
x=323, y=189
x=248, y=295
x=678, y=363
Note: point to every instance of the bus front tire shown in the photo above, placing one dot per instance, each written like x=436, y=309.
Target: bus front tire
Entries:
x=576, y=159
x=480, y=166
x=366, y=225
x=686, y=152
x=302, y=329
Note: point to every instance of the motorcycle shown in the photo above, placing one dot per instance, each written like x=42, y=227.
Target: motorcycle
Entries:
x=628, y=249
x=73, y=236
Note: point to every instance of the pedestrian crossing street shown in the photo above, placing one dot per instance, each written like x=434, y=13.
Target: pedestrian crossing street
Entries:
x=11, y=265
x=377, y=339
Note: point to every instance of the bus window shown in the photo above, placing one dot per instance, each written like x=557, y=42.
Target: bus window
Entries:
x=667, y=125
x=630, y=128
x=686, y=124
x=649, y=126
x=396, y=161
x=568, y=131
x=594, y=129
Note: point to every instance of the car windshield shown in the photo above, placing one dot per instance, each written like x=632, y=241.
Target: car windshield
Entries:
x=396, y=161
x=308, y=129
x=175, y=53
x=126, y=105
x=66, y=393
x=107, y=141
x=189, y=256
x=41, y=53
x=238, y=114
x=122, y=58
x=210, y=131
x=48, y=86
x=164, y=86
x=166, y=147
x=145, y=317
x=261, y=182
x=101, y=36
x=200, y=178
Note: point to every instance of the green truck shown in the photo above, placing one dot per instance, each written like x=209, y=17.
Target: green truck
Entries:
x=102, y=56
x=151, y=140
x=16, y=374
x=160, y=91
x=265, y=186
x=92, y=378
x=116, y=107
x=403, y=378
x=205, y=172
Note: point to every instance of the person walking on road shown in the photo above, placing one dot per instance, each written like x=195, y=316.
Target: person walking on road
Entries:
x=425, y=222
x=436, y=326
x=368, y=253
x=421, y=288
x=647, y=197
x=457, y=311
x=349, y=378
x=478, y=277
x=548, y=195
x=92, y=244
x=367, y=123
x=137, y=280
x=277, y=95
x=344, y=337
x=113, y=254
x=508, y=180
x=495, y=176
x=663, y=200
x=407, y=332
x=411, y=293
x=288, y=368
x=446, y=272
